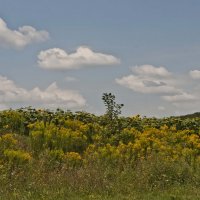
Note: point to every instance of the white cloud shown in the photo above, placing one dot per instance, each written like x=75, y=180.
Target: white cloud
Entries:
x=177, y=90
x=150, y=70
x=11, y=94
x=59, y=59
x=20, y=38
x=195, y=74
x=183, y=97
x=143, y=85
x=149, y=79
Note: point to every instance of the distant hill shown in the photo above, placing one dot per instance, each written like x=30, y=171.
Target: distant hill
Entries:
x=194, y=115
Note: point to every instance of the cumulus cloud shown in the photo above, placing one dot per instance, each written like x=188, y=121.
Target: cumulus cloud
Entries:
x=20, y=38
x=195, y=74
x=149, y=79
x=178, y=90
x=142, y=85
x=59, y=59
x=52, y=96
x=150, y=70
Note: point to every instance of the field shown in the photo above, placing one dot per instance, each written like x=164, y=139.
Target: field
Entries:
x=65, y=155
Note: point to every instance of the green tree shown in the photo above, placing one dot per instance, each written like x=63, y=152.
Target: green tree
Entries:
x=113, y=110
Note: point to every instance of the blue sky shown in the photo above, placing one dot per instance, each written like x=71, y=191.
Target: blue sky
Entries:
x=67, y=53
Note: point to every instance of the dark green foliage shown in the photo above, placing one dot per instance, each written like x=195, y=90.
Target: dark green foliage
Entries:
x=111, y=117
x=113, y=110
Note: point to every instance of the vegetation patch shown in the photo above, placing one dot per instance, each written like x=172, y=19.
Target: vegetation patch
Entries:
x=65, y=155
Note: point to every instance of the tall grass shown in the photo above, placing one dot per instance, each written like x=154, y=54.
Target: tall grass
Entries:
x=148, y=179
x=59, y=156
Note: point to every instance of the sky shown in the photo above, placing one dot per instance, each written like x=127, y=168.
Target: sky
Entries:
x=67, y=53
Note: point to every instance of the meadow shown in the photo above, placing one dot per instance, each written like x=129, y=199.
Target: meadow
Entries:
x=64, y=155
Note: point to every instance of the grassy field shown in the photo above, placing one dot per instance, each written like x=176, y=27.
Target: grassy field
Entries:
x=65, y=155
x=149, y=180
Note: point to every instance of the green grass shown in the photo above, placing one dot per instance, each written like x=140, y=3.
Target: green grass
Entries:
x=48, y=193
x=96, y=183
